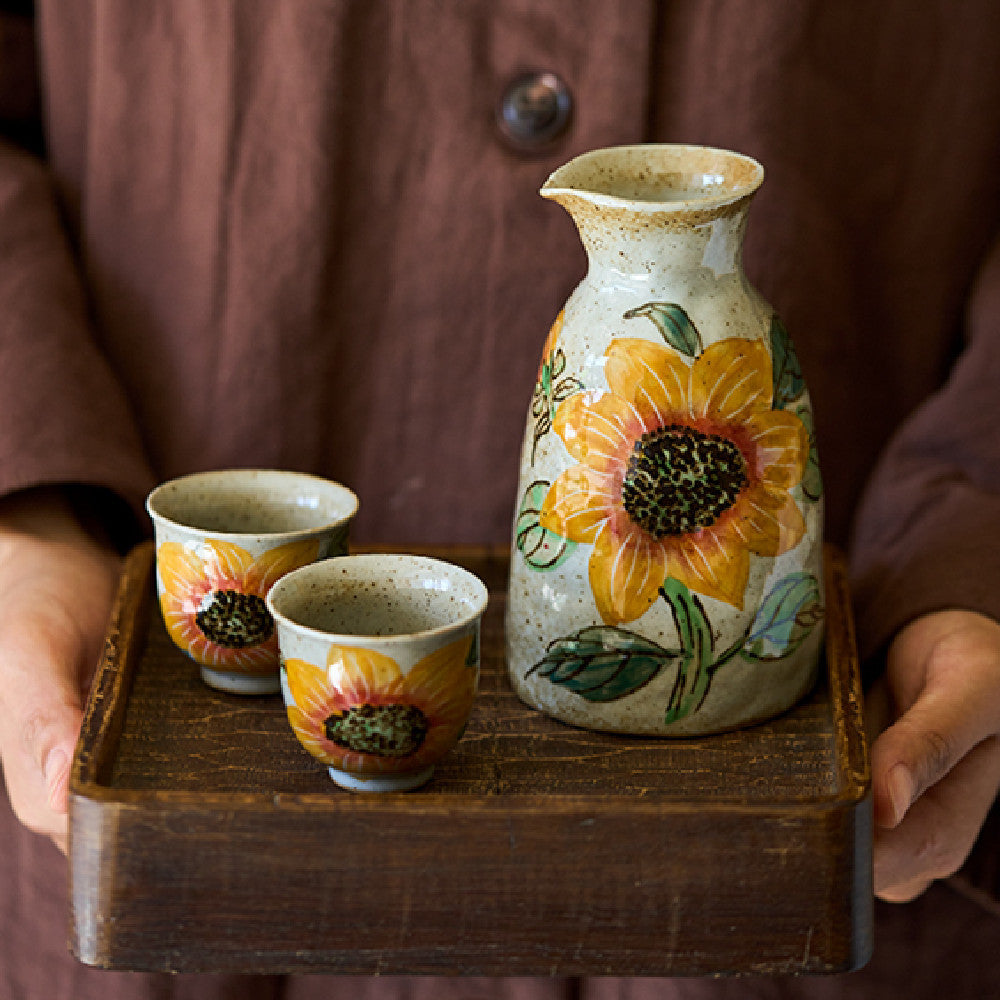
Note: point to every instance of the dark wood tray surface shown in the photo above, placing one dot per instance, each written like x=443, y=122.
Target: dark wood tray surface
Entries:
x=203, y=838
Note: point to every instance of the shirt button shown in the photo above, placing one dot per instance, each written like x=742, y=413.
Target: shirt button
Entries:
x=534, y=111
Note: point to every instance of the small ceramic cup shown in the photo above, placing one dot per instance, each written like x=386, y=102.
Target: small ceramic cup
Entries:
x=380, y=664
x=222, y=539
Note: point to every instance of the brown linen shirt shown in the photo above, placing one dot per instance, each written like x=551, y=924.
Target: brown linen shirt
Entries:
x=291, y=234
x=294, y=237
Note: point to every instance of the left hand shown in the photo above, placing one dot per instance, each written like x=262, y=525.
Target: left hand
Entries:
x=57, y=582
x=936, y=767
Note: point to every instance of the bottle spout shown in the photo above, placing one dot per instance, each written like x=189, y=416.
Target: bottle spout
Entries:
x=656, y=177
x=640, y=208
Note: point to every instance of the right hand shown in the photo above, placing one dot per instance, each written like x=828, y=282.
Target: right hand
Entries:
x=57, y=583
x=936, y=763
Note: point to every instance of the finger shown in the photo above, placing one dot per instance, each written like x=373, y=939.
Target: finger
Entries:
x=944, y=682
x=925, y=744
x=37, y=755
x=41, y=717
x=905, y=892
x=940, y=828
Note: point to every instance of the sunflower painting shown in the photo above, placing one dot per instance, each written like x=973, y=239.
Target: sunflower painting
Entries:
x=212, y=600
x=684, y=469
x=362, y=715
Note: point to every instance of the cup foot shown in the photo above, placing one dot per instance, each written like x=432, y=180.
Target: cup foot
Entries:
x=237, y=683
x=381, y=783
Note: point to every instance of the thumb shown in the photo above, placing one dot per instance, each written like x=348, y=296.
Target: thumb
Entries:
x=942, y=673
x=910, y=756
x=39, y=726
x=54, y=748
x=57, y=583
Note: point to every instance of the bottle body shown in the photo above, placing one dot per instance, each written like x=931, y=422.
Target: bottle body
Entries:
x=666, y=569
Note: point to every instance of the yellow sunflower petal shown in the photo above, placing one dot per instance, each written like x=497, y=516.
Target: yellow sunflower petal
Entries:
x=626, y=572
x=441, y=682
x=754, y=522
x=363, y=675
x=782, y=447
x=271, y=566
x=652, y=378
x=179, y=568
x=309, y=685
x=597, y=427
x=706, y=565
x=766, y=524
x=792, y=525
x=440, y=669
x=224, y=561
x=731, y=380
x=577, y=504
x=311, y=735
x=180, y=623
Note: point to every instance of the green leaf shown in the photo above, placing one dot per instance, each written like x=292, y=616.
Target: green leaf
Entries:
x=812, y=479
x=674, y=324
x=785, y=368
x=472, y=657
x=789, y=612
x=601, y=663
x=542, y=549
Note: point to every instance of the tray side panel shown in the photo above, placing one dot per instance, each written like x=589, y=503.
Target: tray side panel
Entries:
x=844, y=677
x=124, y=643
x=93, y=832
x=534, y=889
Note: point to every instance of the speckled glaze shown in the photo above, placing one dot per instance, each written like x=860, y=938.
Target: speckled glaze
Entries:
x=379, y=664
x=222, y=539
x=667, y=542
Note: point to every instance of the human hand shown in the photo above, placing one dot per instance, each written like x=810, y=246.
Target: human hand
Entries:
x=936, y=767
x=56, y=586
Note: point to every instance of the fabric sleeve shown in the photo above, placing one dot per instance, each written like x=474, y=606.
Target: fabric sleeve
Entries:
x=927, y=535
x=63, y=416
x=928, y=529
x=63, y=419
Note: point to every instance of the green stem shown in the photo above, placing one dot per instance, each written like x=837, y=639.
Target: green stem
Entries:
x=695, y=668
x=691, y=686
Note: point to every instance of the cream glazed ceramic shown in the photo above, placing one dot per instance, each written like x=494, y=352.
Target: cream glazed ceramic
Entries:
x=666, y=560
x=379, y=664
x=222, y=539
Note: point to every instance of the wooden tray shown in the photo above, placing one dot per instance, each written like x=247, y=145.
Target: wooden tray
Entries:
x=203, y=838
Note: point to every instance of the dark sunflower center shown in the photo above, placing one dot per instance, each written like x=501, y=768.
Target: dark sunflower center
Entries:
x=235, y=620
x=384, y=730
x=679, y=480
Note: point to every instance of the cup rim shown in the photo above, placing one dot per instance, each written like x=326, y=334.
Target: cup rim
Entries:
x=210, y=475
x=480, y=598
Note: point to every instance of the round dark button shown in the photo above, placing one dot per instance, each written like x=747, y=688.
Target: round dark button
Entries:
x=534, y=110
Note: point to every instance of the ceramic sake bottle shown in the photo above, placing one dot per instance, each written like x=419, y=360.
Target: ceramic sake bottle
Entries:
x=666, y=559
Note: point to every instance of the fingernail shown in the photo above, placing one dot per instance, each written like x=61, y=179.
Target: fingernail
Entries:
x=900, y=792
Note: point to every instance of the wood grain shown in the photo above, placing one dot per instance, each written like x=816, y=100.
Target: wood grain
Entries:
x=203, y=838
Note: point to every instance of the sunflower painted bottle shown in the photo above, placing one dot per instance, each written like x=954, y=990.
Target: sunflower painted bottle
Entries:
x=666, y=569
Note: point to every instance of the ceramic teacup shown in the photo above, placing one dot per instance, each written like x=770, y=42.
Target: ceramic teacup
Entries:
x=380, y=664
x=222, y=540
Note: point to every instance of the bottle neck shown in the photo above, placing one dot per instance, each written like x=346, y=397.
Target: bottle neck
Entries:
x=649, y=243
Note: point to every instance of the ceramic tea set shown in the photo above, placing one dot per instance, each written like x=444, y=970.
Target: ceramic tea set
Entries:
x=666, y=557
